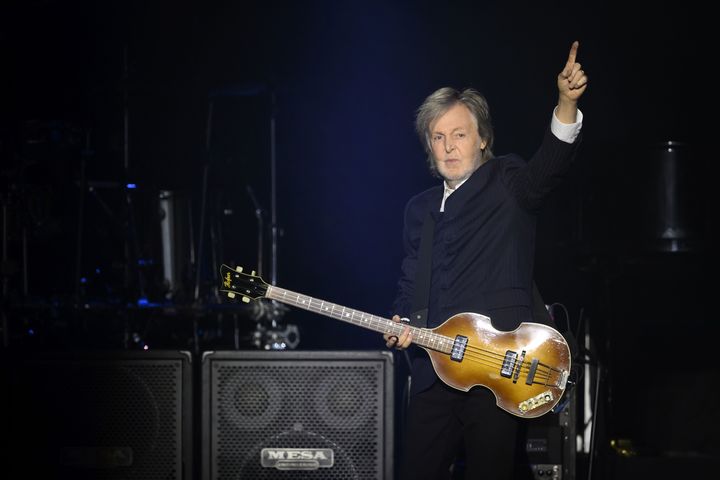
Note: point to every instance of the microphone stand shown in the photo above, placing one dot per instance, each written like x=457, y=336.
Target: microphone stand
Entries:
x=273, y=192
x=269, y=338
x=291, y=336
x=277, y=340
x=260, y=228
x=203, y=203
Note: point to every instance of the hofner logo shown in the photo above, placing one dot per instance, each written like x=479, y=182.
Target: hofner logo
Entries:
x=297, y=458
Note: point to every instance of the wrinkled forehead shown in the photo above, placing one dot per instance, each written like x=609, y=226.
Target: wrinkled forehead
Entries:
x=455, y=115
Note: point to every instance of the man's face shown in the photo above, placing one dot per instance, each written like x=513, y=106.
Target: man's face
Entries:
x=456, y=145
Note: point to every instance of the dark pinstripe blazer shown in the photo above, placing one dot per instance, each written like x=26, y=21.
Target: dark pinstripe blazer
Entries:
x=483, y=245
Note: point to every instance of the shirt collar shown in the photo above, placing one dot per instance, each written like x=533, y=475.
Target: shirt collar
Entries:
x=447, y=191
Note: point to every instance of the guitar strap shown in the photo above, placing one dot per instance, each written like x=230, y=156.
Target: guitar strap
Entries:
x=421, y=296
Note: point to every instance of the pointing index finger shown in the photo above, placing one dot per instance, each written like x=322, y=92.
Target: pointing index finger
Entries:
x=573, y=53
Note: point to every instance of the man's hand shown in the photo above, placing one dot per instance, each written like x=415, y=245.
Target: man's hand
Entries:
x=403, y=341
x=572, y=83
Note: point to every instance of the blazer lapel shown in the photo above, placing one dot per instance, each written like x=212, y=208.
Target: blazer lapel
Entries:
x=462, y=195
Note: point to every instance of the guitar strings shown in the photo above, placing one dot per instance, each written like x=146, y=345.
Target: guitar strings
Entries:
x=495, y=360
x=498, y=359
x=478, y=355
x=540, y=373
x=544, y=375
x=492, y=359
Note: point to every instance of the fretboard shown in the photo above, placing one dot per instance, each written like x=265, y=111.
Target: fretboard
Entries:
x=420, y=336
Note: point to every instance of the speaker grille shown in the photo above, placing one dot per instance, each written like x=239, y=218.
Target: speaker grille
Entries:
x=335, y=403
x=101, y=418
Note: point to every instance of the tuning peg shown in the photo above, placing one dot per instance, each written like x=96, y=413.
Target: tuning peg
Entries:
x=238, y=269
x=230, y=294
x=252, y=274
x=246, y=299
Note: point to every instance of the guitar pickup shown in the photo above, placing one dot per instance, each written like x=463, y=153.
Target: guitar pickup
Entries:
x=458, y=349
x=508, y=365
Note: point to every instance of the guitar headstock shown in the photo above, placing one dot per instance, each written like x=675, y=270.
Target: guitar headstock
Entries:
x=234, y=282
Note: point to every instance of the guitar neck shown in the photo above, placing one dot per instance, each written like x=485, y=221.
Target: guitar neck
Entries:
x=421, y=336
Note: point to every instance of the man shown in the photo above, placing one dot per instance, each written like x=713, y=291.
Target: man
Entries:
x=483, y=234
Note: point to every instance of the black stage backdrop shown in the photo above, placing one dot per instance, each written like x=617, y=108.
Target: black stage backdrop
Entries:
x=284, y=132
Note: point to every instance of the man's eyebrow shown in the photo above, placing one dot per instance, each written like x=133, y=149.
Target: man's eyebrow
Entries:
x=436, y=132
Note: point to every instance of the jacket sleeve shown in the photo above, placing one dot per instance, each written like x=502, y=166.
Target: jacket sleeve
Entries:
x=532, y=182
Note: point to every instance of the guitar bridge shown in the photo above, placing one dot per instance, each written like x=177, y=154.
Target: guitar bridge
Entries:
x=458, y=349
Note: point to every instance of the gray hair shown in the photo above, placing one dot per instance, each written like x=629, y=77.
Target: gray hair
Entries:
x=439, y=102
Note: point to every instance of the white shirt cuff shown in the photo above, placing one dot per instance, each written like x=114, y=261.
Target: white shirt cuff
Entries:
x=567, y=132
